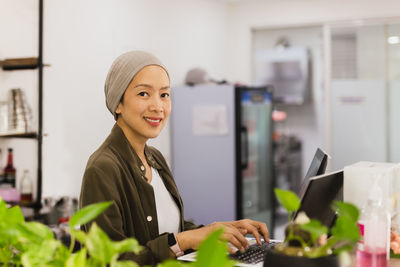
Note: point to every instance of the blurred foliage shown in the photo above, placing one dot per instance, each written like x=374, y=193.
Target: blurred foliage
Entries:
x=342, y=236
x=32, y=244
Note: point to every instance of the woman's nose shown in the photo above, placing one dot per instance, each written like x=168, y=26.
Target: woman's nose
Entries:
x=156, y=104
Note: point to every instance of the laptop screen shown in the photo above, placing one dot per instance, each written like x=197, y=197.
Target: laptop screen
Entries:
x=317, y=167
x=319, y=195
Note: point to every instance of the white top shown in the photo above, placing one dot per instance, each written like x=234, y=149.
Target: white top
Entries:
x=168, y=214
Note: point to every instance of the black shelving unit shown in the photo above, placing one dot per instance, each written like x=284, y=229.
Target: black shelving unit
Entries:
x=26, y=64
x=19, y=135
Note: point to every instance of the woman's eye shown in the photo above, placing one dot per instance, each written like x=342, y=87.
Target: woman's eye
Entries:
x=143, y=94
x=165, y=95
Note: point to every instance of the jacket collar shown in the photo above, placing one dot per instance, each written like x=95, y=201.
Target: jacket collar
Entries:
x=118, y=140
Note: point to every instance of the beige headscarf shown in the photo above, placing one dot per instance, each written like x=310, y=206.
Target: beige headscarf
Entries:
x=121, y=73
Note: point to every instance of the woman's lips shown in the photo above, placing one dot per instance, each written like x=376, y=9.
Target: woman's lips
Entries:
x=153, y=121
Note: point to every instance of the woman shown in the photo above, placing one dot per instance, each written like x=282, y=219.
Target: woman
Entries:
x=147, y=204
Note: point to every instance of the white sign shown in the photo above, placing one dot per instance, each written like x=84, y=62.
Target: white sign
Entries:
x=209, y=120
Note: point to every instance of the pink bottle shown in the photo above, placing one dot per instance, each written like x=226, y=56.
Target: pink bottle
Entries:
x=373, y=249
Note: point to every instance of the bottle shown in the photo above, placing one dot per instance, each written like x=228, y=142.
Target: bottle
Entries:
x=374, y=223
x=9, y=170
x=26, y=188
x=1, y=171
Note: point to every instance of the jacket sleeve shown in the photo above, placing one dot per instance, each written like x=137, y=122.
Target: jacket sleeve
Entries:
x=188, y=225
x=101, y=185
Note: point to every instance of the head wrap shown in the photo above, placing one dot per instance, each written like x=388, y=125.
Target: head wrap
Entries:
x=122, y=72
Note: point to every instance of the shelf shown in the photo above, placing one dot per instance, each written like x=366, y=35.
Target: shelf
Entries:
x=26, y=63
x=30, y=63
x=19, y=135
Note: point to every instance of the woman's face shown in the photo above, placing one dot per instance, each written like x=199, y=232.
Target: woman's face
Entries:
x=146, y=104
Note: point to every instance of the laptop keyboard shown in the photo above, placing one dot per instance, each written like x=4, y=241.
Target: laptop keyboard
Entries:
x=255, y=253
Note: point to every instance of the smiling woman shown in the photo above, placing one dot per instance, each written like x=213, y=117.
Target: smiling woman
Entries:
x=146, y=201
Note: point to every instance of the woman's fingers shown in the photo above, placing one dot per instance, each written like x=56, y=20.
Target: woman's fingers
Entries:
x=233, y=236
x=234, y=232
x=232, y=250
x=263, y=229
x=255, y=228
x=243, y=231
x=254, y=231
x=249, y=228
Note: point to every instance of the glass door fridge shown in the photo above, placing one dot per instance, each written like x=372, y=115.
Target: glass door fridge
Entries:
x=221, y=152
x=254, y=170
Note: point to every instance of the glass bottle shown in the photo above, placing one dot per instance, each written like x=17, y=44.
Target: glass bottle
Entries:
x=26, y=188
x=374, y=223
x=1, y=171
x=9, y=170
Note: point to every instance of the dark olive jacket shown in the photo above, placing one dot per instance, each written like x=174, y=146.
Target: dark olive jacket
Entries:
x=115, y=172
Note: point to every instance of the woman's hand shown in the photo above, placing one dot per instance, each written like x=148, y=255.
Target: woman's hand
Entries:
x=191, y=239
x=247, y=226
x=234, y=233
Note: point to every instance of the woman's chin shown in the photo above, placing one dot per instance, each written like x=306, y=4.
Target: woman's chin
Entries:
x=153, y=135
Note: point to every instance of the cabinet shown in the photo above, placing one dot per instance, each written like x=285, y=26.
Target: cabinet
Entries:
x=36, y=63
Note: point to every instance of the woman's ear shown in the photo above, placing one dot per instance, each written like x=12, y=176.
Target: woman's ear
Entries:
x=118, y=110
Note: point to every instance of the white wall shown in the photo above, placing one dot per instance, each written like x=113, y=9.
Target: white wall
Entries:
x=81, y=39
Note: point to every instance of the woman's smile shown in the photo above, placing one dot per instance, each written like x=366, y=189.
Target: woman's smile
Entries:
x=153, y=121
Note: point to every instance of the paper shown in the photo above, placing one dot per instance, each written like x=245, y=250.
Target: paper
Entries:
x=210, y=120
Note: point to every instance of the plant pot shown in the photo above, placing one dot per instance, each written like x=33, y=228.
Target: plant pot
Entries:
x=275, y=259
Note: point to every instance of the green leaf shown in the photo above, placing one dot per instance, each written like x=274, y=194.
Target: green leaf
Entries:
x=288, y=199
x=79, y=235
x=6, y=254
x=174, y=263
x=14, y=215
x=9, y=222
x=10, y=233
x=35, y=232
x=88, y=213
x=213, y=252
x=61, y=255
x=126, y=264
x=90, y=262
x=77, y=259
x=346, y=210
x=3, y=209
x=346, y=229
x=40, y=254
x=127, y=245
x=99, y=245
x=315, y=228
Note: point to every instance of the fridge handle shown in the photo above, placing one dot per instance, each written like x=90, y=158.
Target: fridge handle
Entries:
x=245, y=150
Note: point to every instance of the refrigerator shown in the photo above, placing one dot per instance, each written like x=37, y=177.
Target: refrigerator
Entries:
x=222, y=152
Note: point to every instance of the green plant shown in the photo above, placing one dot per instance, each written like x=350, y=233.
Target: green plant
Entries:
x=308, y=235
x=32, y=244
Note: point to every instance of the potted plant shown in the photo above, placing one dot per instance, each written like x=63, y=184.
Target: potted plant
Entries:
x=32, y=244
x=306, y=240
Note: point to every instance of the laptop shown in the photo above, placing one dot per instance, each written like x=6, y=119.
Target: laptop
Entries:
x=316, y=185
x=322, y=189
x=317, y=167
